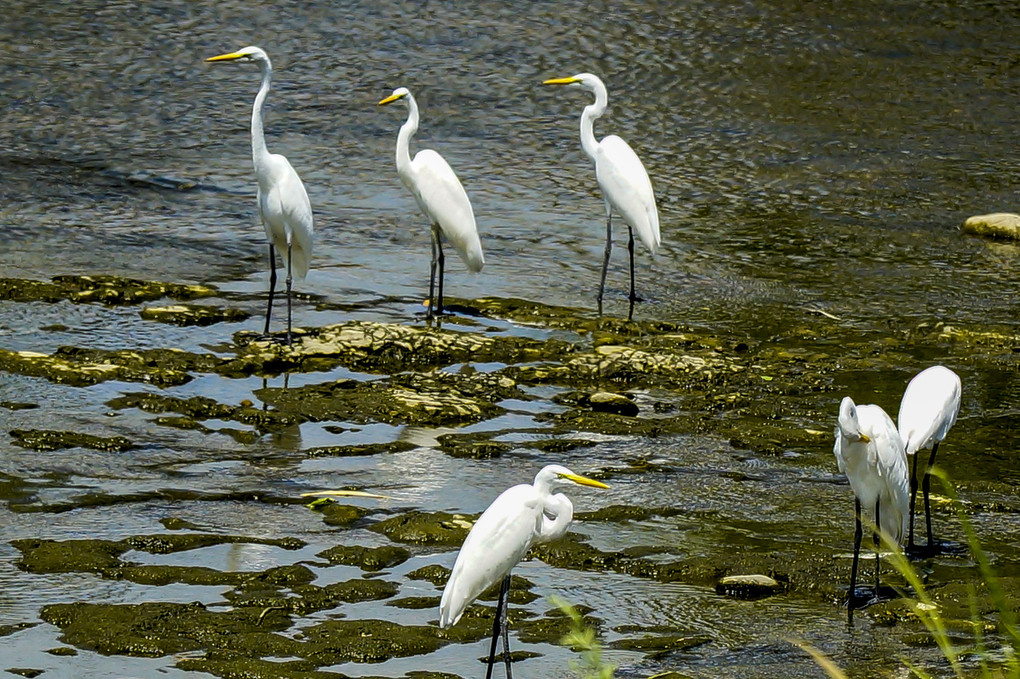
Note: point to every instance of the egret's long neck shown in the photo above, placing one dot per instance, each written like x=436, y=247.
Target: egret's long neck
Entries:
x=259, y=153
x=588, y=116
x=407, y=131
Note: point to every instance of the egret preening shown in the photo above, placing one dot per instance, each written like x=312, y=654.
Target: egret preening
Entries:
x=869, y=450
x=523, y=515
x=283, y=203
x=442, y=198
x=928, y=410
x=621, y=176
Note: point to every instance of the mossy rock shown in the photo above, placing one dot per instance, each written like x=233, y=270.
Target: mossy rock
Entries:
x=47, y=440
x=366, y=558
x=423, y=528
x=193, y=315
x=108, y=290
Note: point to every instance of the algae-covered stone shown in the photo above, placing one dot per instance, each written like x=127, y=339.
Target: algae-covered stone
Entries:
x=193, y=314
x=46, y=440
x=378, y=347
x=608, y=402
x=109, y=290
x=336, y=514
x=422, y=528
x=656, y=646
x=360, y=449
x=69, y=556
x=366, y=558
x=996, y=224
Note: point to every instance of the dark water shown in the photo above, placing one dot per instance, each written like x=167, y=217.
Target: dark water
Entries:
x=805, y=159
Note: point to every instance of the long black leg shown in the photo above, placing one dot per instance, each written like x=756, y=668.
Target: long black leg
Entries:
x=496, y=622
x=927, y=488
x=432, y=275
x=272, y=284
x=858, y=534
x=913, y=497
x=633, y=296
x=878, y=543
x=290, y=280
x=605, y=258
x=505, y=589
x=442, y=273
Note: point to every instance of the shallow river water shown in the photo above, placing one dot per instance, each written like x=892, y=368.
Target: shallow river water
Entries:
x=812, y=165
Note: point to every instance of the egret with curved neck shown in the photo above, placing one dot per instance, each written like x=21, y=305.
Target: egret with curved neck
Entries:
x=869, y=450
x=442, y=198
x=284, y=208
x=521, y=516
x=622, y=177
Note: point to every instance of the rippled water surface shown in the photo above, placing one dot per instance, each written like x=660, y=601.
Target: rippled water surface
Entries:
x=807, y=160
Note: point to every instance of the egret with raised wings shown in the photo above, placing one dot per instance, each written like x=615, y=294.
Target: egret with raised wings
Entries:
x=928, y=410
x=622, y=177
x=442, y=198
x=869, y=451
x=284, y=208
x=521, y=516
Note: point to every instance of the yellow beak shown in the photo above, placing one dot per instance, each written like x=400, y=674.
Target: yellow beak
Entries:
x=560, y=81
x=390, y=99
x=583, y=480
x=864, y=439
x=226, y=57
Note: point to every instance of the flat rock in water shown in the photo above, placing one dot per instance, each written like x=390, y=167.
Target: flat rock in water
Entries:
x=997, y=224
x=748, y=586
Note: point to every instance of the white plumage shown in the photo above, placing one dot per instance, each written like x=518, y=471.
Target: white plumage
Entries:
x=622, y=178
x=521, y=516
x=440, y=195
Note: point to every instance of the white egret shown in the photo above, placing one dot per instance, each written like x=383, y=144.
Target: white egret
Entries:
x=621, y=176
x=284, y=208
x=869, y=451
x=442, y=198
x=523, y=515
x=928, y=410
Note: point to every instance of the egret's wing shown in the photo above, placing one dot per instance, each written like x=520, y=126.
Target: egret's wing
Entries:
x=497, y=542
x=891, y=461
x=625, y=184
x=286, y=210
x=929, y=407
x=444, y=200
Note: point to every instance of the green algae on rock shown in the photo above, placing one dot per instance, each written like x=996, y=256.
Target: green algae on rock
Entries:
x=424, y=528
x=193, y=315
x=366, y=558
x=47, y=440
x=109, y=290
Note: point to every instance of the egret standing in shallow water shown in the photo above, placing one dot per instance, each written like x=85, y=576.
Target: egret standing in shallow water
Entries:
x=523, y=515
x=442, y=198
x=284, y=208
x=927, y=412
x=622, y=177
x=869, y=450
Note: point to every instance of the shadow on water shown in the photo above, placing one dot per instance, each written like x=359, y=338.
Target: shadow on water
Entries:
x=811, y=166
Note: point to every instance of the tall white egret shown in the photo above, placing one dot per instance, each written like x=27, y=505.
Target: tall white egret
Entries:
x=869, y=451
x=523, y=515
x=284, y=208
x=621, y=176
x=928, y=409
x=442, y=198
